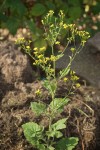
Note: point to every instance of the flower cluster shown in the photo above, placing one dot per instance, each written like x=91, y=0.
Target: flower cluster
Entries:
x=20, y=41
x=74, y=78
x=54, y=26
x=39, y=56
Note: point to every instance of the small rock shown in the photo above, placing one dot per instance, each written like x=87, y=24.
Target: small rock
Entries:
x=94, y=43
x=14, y=65
x=4, y=34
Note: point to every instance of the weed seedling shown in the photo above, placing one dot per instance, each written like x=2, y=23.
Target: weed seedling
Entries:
x=51, y=137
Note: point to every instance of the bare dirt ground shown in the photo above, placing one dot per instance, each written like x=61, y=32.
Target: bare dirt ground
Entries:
x=83, y=111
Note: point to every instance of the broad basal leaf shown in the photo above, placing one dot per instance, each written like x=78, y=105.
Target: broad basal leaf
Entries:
x=67, y=143
x=41, y=147
x=32, y=132
x=50, y=148
x=54, y=129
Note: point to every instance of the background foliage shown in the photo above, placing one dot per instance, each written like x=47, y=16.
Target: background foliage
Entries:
x=28, y=13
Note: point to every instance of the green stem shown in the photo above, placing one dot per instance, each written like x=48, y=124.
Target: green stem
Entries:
x=55, y=81
x=54, y=66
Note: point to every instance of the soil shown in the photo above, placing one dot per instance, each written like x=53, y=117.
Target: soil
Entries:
x=83, y=111
x=15, y=97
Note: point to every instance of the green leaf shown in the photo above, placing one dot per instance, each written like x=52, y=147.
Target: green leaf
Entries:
x=50, y=86
x=58, y=104
x=41, y=147
x=67, y=143
x=50, y=133
x=75, y=12
x=3, y=17
x=50, y=5
x=58, y=134
x=16, y=6
x=40, y=42
x=74, y=2
x=32, y=26
x=38, y=9
x=60, y=124
x=54, y=129
x=54, y=133
x=64, y=7
x=38, y=108
x=37, y=33
x=32, y=132
x=12, y=24
x=96, y=9
x=50, y=148
x=64, y=72
x=59, y=56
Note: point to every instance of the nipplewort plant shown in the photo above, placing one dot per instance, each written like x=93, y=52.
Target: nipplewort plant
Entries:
x=50, y=136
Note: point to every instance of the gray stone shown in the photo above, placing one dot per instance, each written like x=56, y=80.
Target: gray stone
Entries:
x=86, y=65
x=94, y=43
x=14, y=65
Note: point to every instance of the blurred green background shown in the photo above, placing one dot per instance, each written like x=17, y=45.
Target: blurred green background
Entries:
x=15, y=14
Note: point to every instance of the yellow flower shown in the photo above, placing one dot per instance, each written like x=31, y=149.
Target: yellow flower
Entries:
x=21, y=38
x=35, y=48
x=61, y=12
x=72, y=49
x=61, y=23
x=78, y=85
x=36, y=53
x=42, y=21
x=74, y=78
x=53, y=58
x=40, y=61
x=28, y=47
x=43, y=48
x=65, y=26
x=51, y=12
x=36, y=62
x=40, y=56
x=83, y=42
x=20, y=41
x=70, y=25
x=72, y=72
x=51, y=70
x=65, y=79
x=57, y=42
x=47, y=58
x=38, y=92
x=51, y=25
